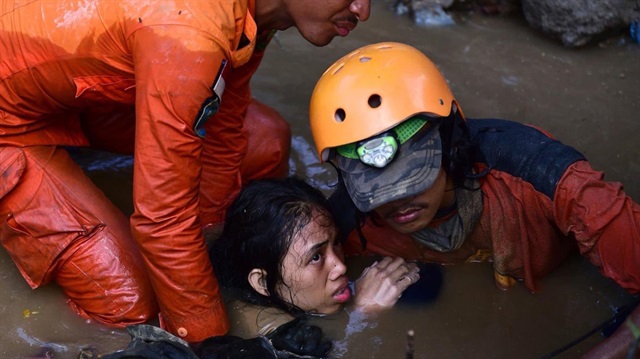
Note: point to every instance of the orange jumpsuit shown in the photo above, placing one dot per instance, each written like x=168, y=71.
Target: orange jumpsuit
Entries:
x=130, y=77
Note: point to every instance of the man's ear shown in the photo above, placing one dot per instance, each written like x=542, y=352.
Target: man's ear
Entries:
x=258, y=280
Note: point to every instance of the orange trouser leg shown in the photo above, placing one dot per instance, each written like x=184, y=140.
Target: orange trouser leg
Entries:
x=269, y=143
x=57, y=225
x=103, y=277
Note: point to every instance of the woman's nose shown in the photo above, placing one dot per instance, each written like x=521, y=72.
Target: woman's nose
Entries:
x=339, y=268
x=361, y=8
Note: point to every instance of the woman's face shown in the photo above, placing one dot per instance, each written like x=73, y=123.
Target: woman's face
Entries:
x=411, y=214
x=313, y=270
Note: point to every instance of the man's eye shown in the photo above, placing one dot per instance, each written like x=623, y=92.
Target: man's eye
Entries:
x=316, y=257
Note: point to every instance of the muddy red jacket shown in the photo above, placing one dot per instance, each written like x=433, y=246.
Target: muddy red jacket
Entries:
x=62, y=78
x=541, y=199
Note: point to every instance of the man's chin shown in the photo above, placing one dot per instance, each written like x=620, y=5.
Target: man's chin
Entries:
x=408, y=228
x=318, y=40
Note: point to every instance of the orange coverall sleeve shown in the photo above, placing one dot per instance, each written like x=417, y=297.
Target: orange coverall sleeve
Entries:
x=173, y=79
x=225, y=144
x=604, y=221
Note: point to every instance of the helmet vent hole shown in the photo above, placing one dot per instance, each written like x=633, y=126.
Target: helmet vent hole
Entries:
x=365, y=59
x=375, y=101
x=340, y=115
x=441, y=102
x=338, y=69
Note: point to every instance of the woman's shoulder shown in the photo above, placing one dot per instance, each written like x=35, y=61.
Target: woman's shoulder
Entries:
x=248, y=320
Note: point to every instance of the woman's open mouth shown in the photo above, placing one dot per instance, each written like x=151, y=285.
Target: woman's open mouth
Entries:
x=342, y=295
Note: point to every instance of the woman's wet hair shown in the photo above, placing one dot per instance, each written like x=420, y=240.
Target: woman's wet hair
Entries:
x=259, y=229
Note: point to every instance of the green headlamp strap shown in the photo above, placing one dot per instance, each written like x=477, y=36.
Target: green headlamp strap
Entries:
x=379, y=150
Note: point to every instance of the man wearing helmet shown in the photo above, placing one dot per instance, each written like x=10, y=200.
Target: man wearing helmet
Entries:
x=426, y=183
x=89, y=73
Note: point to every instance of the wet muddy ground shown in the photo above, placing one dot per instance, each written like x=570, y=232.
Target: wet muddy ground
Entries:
x=497, y=67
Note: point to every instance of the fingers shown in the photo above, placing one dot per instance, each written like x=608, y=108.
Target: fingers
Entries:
x=393, y=273
x=382, y=283
x=390, y=264
x=369, y=267
x=386, y=267
x=408, y=280
x=397, y=268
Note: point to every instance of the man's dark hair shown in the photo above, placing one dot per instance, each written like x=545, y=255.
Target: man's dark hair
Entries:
x=458, y=150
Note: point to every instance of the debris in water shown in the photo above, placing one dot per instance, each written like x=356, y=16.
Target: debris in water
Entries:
x=409, y=349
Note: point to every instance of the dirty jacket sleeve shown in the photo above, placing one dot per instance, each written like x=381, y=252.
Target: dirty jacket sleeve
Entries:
x=167, y=171
x=225, y=143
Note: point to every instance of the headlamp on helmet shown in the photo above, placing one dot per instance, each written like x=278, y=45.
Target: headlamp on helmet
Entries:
x=379, y=151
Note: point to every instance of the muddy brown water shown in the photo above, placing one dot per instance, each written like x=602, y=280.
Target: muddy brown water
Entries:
x=497, y=67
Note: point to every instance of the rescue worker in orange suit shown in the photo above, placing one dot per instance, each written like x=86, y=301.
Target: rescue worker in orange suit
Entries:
x=423, y=182
x=169, y=82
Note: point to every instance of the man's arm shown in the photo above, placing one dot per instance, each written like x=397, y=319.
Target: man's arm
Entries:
x=225, y=143
x=173, y=79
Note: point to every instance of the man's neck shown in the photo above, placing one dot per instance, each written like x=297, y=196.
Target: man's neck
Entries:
x=272, y=15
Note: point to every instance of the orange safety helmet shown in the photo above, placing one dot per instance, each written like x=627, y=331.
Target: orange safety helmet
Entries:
x=373, y=89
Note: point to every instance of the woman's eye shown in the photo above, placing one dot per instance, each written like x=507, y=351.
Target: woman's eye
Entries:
x=316, y=257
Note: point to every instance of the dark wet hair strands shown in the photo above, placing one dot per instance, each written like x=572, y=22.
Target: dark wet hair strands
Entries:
x=259, y=229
